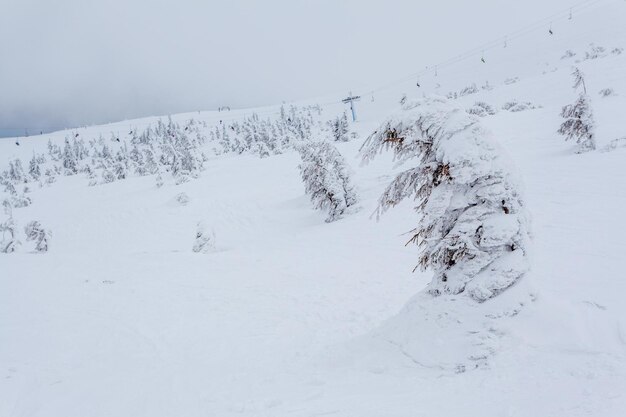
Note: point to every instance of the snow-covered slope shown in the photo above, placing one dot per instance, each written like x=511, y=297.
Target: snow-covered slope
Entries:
x=283, y=318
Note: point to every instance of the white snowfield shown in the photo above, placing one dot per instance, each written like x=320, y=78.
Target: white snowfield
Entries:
x=291, y=316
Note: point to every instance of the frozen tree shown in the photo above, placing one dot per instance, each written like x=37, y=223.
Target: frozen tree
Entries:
x=472, y=228
x=326, y=179
x=69, y=159
x=205, y=241
x=8, y=230
x=9, y=242
x=33, y=168
x=16, y=172
x=579, y=124
x=39, y=235
x=340, y=128
x=579, y=79
x=159, y=180
x=54, y=151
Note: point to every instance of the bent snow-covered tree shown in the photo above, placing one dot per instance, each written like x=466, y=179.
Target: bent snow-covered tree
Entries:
x=472, y=230
x=326, y=179
x=39, y=235
x=579, y=124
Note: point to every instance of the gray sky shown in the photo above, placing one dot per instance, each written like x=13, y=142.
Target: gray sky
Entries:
x=72, y=62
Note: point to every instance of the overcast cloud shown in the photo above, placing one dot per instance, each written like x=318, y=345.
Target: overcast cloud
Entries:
x=67, y=63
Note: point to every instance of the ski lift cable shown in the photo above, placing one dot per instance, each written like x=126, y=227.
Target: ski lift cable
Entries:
x=537, y=25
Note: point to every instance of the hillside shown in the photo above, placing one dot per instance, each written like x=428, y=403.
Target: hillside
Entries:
x=286, y=315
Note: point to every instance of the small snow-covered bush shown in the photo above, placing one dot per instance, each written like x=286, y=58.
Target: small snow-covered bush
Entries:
x=515, y=106
x=510, y=81
x=482, y=109
x=472, y=89
x=472, y=228
x=159, y=180
x=39, y=235
x=205, y=241
x=182, y=199
x=568, y=54
x=617, y=51
x=615, y=144
x=327, y=179
x=595, y=52
x=19, y=201
x=486, y=86
x=606, y=92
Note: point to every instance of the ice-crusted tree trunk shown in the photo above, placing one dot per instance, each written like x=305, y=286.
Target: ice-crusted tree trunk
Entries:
x=579, y=124
x=327, y=179
x=472, y=230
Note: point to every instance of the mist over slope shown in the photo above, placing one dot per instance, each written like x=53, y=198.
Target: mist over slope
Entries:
x=290, y=315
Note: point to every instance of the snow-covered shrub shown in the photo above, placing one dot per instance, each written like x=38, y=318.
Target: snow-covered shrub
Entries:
x=568, y=54
x=21, y=200
x=472, y=229
x=39, y=235
x=182, y=199
x=472, y=89
x=339, y=128
x=510, y=81
x=159, y=180
x=595, y=52
x=486, y=86
x=615, y=144
x=606, y=92
x=617, y=51
x=107, y=176
x=205, y=241
x=482, y=109
x=327, y=179
x=515, y=106
x=579, y=124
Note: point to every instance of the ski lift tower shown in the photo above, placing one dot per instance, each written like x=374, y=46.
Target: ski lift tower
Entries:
x=351, y=99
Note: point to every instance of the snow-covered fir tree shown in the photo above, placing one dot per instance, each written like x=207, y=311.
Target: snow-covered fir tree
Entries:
x=472, y=230
x=16, y=172
x=69, y=159
x=205, y=241
x=327, y=179
x=33, y=168
x=339, y=128
x=36, y=233
x=579, y=124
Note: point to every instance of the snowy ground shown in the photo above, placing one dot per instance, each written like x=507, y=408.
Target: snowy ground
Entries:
x=121, y=318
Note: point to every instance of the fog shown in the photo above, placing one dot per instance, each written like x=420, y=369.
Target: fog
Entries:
x=68, y=63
